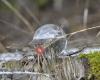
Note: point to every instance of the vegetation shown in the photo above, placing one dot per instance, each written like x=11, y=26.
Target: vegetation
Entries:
x=43, y=4
x=94, y=63
x=3, y=7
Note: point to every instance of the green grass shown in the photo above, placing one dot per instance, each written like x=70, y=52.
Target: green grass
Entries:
x=94, y=63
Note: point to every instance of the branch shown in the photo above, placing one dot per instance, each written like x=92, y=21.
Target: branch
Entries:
x=72, y=53
x=84, y=30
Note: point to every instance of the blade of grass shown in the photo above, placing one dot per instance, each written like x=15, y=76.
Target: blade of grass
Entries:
x=18, y=14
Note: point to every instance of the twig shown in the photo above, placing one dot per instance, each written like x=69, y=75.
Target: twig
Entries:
x=71, y=34
x=69, y=54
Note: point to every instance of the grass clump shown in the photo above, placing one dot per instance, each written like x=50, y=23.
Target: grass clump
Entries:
x=94, y=63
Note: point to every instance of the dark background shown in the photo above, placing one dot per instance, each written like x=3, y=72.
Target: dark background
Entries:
x=14, y=33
